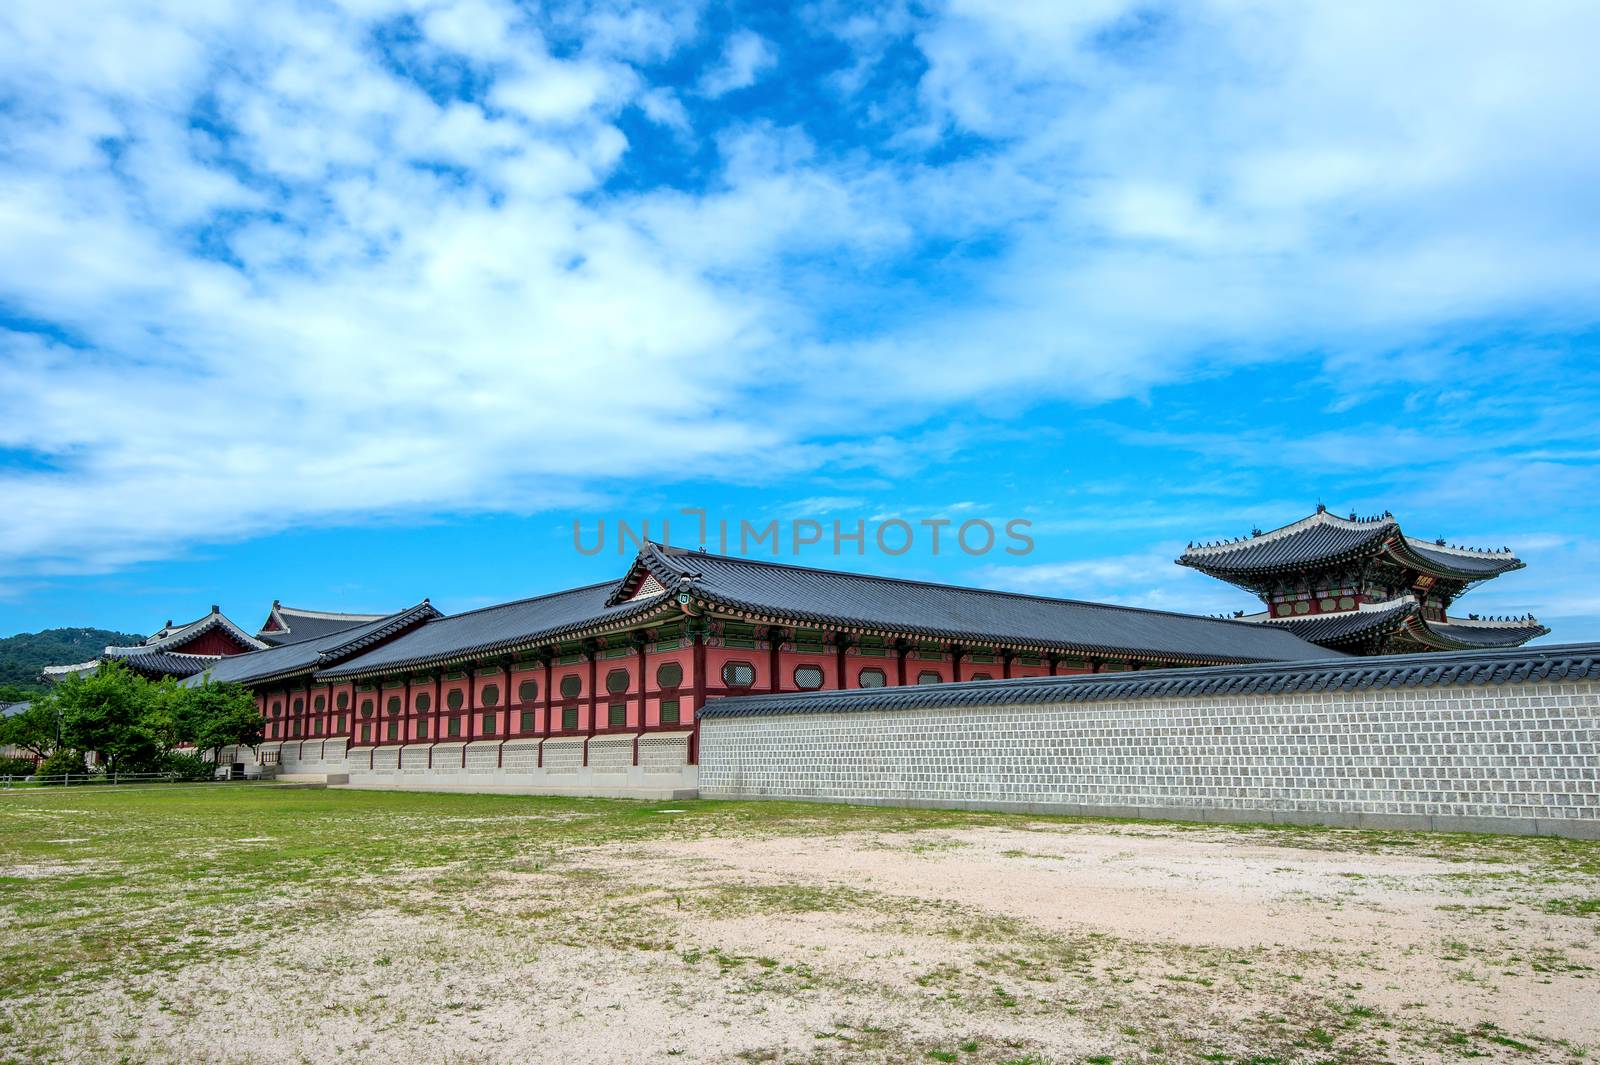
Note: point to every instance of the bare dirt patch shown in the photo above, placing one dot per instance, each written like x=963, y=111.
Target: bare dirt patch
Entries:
x=718, y=936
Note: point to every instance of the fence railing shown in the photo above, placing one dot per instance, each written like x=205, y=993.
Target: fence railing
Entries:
x=77, y=779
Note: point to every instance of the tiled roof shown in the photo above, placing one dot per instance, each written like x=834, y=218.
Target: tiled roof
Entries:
x=1318, y=538
x=298, y=659
x=1569, y=662
x=849, y=601
x=1464, y=562
x=508, y=626
x=883, y=604
x=1323, y=539
x=176, y=636
x=169, y=664
x=1510, y=632
x=287, y=624
x=1368, y=621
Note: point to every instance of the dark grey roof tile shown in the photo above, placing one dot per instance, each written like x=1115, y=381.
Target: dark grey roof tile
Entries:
x=1560, y=662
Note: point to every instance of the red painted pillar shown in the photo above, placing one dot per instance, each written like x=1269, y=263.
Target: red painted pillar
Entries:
x=1055, y=661
x=902, y=649
x=549, y=698
x=699, y=662
x=472, y=707
x=841, y=645
x=1005, y=664
x=774, y=662
x=956, y=651
x=409, y=718
x=642, y=645
x=594, y=684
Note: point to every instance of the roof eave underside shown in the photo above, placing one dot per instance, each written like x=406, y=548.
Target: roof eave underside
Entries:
x=1014, y=642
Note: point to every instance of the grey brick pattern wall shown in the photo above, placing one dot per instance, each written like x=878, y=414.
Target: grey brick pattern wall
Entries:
x=1514, y=758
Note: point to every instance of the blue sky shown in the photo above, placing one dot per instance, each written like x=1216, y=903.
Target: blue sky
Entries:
x=353, y=304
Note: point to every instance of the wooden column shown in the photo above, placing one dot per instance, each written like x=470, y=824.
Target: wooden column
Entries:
x=435, y=730
x=1055, y=661
x=472, y=707
x=699, y=661
x=641, y=642
x=504, y=731
x=956, y=651
x=774, y=661
x=902, y=649
x=841, y=644
x=549, y=698
x=1005, y=663
x=593, y=651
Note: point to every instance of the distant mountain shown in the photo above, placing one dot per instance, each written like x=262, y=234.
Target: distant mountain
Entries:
x=24, y=655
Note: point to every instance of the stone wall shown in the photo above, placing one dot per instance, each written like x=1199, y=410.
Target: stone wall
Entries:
x=1503, y=758
x=554, y=766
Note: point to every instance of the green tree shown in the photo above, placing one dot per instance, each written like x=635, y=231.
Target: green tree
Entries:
x=110, y=713
x=35, y=729
x=210, y=716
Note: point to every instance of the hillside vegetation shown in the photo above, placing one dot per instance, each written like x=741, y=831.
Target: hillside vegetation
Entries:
x=24, y=655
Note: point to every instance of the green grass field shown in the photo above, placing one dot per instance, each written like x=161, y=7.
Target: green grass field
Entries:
x=131, y=916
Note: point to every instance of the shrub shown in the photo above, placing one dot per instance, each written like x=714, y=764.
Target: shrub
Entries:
x=64, y=760
x=189, y=767
x=16, y=767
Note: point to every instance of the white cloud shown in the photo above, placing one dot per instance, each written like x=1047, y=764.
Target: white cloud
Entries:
x=287, y=283
x=744, y=58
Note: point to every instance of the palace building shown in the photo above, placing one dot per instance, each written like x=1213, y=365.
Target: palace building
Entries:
x=187, y=650
x=596, y=690
x=1362, y=586
x=642, y=653
x=173, y=650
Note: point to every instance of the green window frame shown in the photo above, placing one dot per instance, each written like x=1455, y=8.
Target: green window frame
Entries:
x=669, y=711
x=455, y=726
x=422, y=728
x=394, y=730
x=617, y=714
x=569, y=718
x=528, y=722
x=488, y=724
x=366, y=733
